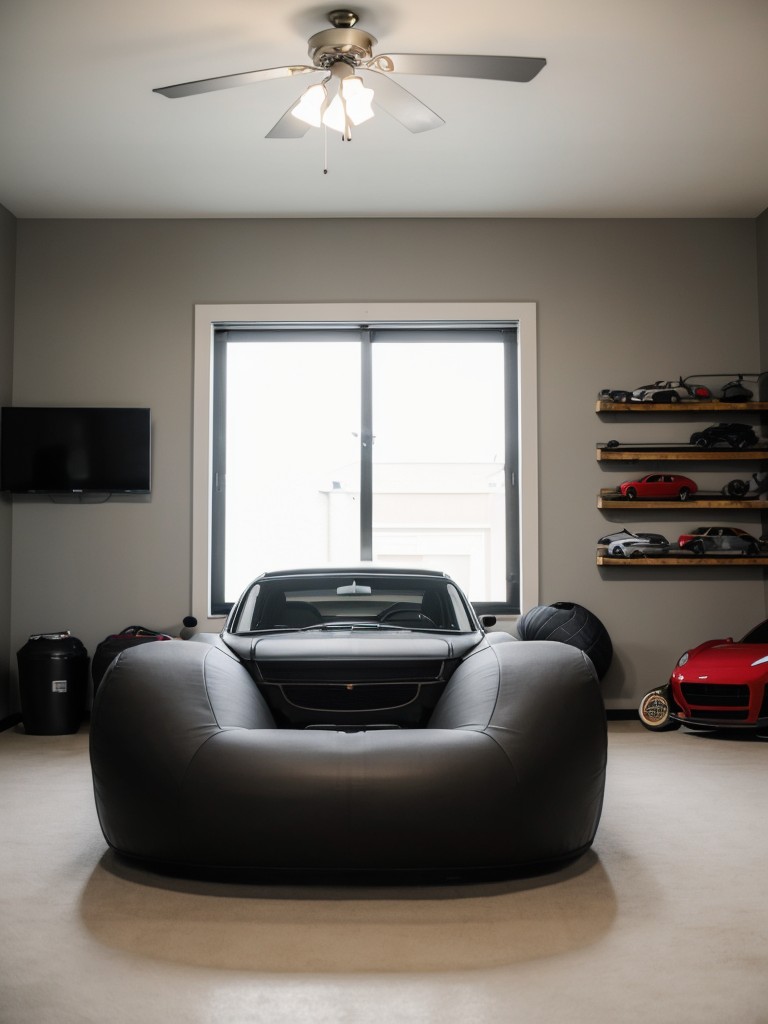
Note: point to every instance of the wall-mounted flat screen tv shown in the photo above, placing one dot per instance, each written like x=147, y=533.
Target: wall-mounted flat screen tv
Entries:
x=75, y=451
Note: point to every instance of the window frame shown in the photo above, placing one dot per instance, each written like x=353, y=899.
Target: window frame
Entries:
x=212, y=318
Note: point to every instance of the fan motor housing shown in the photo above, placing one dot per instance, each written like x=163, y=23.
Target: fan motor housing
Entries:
x=334, y=44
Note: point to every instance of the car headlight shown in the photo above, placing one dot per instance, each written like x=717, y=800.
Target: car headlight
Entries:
x=683, y=660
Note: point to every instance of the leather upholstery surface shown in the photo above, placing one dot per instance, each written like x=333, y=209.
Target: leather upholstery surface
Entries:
x=190, y=770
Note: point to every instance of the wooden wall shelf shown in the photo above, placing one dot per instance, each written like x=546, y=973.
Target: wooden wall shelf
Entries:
x=683, y=560
x=684, y=407
x=680, y=453
x=610, y=498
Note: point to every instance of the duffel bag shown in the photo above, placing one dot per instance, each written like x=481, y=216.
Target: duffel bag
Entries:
x=111, y=646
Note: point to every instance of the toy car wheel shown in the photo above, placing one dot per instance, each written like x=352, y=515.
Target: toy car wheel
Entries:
x=736, y=488
x=685, y=493
x=637, y=554
x=697, y=547
x=700, y=440
x=631, y=493
x=753, y=549
x=654, y=712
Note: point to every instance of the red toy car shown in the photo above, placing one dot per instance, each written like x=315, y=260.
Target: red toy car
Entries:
x=719, y=684
x=659, y=485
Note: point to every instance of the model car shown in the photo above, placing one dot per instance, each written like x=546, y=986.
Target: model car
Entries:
x=655, y=538
x=360, y=645
x=753, y=488
x=735, y=435
x=718, y=684
x=670, y=391
x=659, y=485
x=719, y=538
x=734, y=390
x=637, y=545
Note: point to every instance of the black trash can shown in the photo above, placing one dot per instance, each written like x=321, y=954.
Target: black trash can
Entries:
x=53, y=683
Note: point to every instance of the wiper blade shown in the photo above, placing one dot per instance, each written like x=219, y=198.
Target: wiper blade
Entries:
x=345, y=626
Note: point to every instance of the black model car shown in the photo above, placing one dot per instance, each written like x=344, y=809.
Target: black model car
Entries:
x=734, y=435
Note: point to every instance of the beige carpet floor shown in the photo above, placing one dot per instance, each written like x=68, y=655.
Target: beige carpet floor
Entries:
x=665, y=920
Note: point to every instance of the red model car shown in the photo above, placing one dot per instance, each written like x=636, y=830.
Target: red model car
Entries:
x=719, y=684
x=659, y=485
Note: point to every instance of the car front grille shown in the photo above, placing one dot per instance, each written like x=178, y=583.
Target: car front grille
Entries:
x=340, y=671
x=350, y=697
x=715, y=695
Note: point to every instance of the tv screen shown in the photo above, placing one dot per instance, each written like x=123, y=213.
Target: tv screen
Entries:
x=74, y=451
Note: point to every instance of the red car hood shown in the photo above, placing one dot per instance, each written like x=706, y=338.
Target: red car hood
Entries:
x=725, y=663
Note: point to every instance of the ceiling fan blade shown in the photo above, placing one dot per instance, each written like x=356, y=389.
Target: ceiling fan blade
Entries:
x=402, y=105
x=453, y=65
x=288, y=127
x=232, y=81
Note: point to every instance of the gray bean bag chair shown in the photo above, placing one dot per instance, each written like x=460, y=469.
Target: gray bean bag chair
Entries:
x=190, y=771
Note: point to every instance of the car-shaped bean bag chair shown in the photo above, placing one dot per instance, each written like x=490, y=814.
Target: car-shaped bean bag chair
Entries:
x=355, y=720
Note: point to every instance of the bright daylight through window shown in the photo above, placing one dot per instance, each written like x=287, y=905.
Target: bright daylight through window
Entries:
x=332, y=445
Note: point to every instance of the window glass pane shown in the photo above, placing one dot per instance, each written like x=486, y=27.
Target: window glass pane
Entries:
x=293, y=474
x=438, y=461
x=363, y=601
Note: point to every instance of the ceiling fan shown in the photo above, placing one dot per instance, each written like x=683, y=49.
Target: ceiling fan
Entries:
x=342, y=99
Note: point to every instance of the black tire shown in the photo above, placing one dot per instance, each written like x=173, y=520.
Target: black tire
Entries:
x=685, y=493
x=736, y=488
x=673, y=397
x=654, y=713
x=700, y=441
x=631, y=493
x=697, y=547
x=753, y=550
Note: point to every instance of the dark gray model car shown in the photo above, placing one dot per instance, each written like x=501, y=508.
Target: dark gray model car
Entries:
x=719, y=538
x=734, y=435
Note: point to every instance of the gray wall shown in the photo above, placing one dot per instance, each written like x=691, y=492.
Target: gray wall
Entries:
x=762, y=283
x=7, y=280
x=762, y=299
x=104, y=315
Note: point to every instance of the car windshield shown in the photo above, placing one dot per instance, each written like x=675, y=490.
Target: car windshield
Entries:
x=360, y=600
x=758, y=635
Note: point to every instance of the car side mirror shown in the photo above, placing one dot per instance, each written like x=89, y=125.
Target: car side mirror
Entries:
x=488, y=621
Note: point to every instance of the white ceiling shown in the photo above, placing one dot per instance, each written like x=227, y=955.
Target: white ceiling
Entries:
x=647, y=108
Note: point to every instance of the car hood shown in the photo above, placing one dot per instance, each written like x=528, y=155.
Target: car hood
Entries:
x=725, y=663
x=352, y=645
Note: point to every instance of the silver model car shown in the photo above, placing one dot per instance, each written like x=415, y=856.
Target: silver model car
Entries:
x=625, y=544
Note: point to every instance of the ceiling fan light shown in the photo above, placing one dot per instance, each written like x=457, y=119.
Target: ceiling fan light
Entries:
x=335, y=115
x=310, y=105
x=357, y=99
